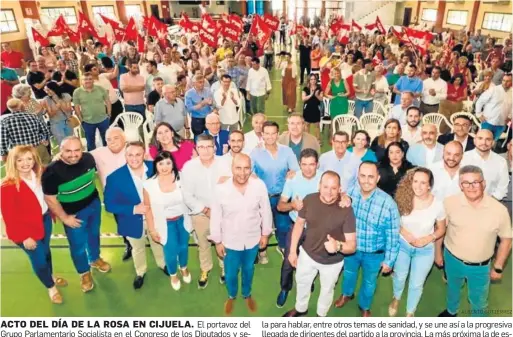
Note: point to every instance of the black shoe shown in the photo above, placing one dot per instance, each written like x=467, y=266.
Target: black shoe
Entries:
x=165, y=270
x=222, y=278
x=138, y=282
x=446, y=313
x=203, y=280
x=127, y=255
x=295, y=313
x=282, y=298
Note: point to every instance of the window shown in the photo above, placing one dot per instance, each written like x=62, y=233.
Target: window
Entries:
x=189, y=2
x=133, y=11
x=497, y=21
x=54, y=12
x=429, y=14
x=457, y=18
x=7, y=21
x=107, y=11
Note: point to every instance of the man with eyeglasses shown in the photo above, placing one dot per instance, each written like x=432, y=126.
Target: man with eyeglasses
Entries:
x=199, y=102
x=470, y=242
x=199, y=178
x=461, y=129
x=494, y=167
x=271, y=163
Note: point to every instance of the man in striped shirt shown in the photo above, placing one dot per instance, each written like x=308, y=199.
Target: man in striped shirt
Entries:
x=377, y=232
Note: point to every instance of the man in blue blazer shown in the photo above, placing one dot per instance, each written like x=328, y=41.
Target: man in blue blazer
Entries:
x=461, y=129
x=221, y=137
x=428, y=151
x=123, y=196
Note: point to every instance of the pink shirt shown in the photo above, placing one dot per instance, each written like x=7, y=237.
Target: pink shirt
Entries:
x=240, y=220
x=181, y=156
x=132, y=98
x=107, y=162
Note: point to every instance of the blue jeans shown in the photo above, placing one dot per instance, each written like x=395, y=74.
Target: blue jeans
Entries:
x=41, y=257
x=234, y=261
x=281, y=222
x=371, y=265
x=140, y=108
x=84, y=241
x=478, y=282
x=414, y=261
x=497, y=130
x=360, y=105
x=176, y=249
x=90, y=133
x=60, y=130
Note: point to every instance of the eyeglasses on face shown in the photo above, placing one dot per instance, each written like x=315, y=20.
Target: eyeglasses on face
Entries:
x=203, y=148
x=467, y=184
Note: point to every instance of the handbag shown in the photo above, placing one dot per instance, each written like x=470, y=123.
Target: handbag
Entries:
x=73, y=121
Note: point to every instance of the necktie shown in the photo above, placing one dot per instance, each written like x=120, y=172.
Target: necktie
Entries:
x=216, y=139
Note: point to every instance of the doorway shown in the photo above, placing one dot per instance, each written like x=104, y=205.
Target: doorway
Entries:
x=407, y=17
x=155, y=11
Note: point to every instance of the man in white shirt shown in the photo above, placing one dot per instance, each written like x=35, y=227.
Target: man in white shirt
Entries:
x=495, y=168
x=199, y=178
x=427, y=152
x=241, y=224
x=434, y=89
x=258, y=86
x=411, y=132
x=254, y=138
x=227, y=100
x=236, y=145
x=493, y=107
x=168, y=68
x=446, y=171
x=399, y=111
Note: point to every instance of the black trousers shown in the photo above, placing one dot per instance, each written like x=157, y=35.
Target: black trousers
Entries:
x=287, y=271
x=198, y=126
x=302, y=69
x=116, y=109
x=283, y=37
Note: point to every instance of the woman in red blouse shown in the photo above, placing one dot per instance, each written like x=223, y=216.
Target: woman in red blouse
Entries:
x=165, y=138
x=456, y=94
x=461, y=68
x=27, y=219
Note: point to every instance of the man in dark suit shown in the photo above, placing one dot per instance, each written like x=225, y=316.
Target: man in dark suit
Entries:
x=124, y=198
x=221, y=137
x=461, y=129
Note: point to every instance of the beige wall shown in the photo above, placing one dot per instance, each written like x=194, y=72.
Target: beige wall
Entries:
x=494, y=8
x=18, y=15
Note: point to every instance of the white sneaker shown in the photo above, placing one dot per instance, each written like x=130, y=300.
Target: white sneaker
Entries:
x=176, y=286
x=187, y=279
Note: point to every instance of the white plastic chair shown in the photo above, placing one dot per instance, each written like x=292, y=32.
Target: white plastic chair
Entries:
x=472, y=117
x=379, y=108
x=352, y=105
x=148, y=132
x=372, y=123
x=242, y=110
x=467, y=105
x=77, y=131
x=150, y=117
x=132, y=121
x=437, y=119
x=324, y=120
x=23, y=79
x=346, y=123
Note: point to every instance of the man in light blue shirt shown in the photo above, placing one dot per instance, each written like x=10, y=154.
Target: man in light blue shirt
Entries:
x=271, y=163
x=340, y=160
x=409, y=83
x=291, y=200
x=199, y=102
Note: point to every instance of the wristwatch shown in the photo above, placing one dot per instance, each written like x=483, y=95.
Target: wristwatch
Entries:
x=497, y=270
x=339, y=246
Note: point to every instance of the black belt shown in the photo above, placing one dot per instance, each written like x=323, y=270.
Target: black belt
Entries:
x=430, y=104
x=381, y=251
x=274, y=195
x=472, y=264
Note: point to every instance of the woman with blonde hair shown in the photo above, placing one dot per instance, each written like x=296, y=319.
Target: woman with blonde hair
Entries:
x=423, y=221
x=26, y=216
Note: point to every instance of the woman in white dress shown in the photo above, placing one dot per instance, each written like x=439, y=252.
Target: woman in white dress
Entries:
x=167, y=219
x=423, y=222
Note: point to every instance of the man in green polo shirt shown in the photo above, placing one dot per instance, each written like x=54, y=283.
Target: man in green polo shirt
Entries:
x=93, y=108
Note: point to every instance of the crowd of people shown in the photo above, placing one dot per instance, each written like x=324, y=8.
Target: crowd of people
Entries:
x=416, y=195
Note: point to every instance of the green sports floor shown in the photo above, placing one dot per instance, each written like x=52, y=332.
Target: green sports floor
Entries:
x=113, y=295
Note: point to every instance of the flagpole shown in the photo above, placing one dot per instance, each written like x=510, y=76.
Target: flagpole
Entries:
x=411, y=43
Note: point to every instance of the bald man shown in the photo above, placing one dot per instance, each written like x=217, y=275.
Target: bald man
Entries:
x=494, y=167
x=254, y=138
x=221, y=137
x=446, y=171
x=240, y=224
x=171, y=109
x=71, y=194
x=428, y=151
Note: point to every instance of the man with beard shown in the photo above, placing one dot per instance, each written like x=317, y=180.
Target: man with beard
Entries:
x=495, y=167
x=409, y=83
x=445, y=172
x=132, y=85
x=427, y=152
x=235, y=144
x=411, y=132
x=434, y=90
x=461, y=129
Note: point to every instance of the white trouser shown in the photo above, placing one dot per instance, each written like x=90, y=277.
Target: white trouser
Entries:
x=139, y=252
x=306, y=272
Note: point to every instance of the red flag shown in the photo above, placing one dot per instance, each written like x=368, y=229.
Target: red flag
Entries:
x=237, y=21
x=119, y=33
x=356, y=26
x=185, y=23
x=85, y=26
x=271, y=21
x=43, y=41
x=260, y=31
x=293, y=30
x=131, y=30
x=335, y=26
x=343, y=35
x=157, y=28
x=104, y=40
x=370, y=26
x=230, y=32
x=418, y=39
x=73, y=36
x=112, y=23
x=146, y=22
x=377, y=59
x=380, y=27
x=59, y=27
x=207, y=37
x=207, y=21
x=140, y=44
